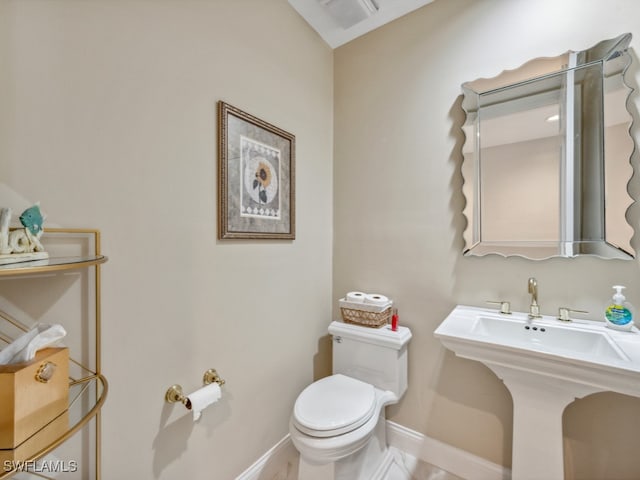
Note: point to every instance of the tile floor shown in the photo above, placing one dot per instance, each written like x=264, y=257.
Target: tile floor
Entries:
x=406, y=467
x=403, y=467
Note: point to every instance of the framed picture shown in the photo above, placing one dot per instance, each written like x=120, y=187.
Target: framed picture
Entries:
x=256, y=177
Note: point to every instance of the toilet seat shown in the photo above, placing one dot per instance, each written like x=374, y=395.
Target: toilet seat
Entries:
x=333, y=406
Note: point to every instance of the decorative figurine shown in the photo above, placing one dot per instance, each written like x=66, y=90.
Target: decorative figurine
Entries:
x=22, y=244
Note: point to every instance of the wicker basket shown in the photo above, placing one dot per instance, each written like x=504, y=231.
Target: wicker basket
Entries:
x=365, y=318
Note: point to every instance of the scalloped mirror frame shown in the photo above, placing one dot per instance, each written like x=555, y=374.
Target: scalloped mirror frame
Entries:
x=569, y=219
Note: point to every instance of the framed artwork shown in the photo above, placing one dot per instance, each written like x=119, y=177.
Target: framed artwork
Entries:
x=256, y=177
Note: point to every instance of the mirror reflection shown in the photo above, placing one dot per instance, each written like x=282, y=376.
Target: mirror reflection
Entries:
x=547, y=157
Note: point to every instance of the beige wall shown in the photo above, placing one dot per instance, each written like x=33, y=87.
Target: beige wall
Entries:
x=398, y=222
x=108, y=117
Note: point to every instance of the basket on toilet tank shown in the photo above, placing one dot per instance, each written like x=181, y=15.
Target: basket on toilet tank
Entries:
x=368, y=310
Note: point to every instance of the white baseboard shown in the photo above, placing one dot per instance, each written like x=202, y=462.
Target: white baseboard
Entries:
x=280, y=462
x=444, y=456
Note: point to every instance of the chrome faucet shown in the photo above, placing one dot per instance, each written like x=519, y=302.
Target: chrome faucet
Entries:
x=534, y=308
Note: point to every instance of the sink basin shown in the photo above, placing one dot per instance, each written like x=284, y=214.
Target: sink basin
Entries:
x=582, y=351
x=583, y=341
x=545, y=364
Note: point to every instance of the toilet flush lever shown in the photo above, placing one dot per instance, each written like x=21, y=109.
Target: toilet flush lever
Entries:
x=337, y=339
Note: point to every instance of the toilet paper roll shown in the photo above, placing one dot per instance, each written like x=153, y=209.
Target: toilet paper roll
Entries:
x=356, y=297
x=376, y=299
x=202, y=398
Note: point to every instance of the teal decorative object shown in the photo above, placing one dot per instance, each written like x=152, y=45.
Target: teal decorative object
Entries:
x=32, y=219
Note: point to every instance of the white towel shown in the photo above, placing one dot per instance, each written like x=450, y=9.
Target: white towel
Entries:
x=24, y=348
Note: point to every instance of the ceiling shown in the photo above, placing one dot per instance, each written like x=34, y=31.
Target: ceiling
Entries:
x=340, y=21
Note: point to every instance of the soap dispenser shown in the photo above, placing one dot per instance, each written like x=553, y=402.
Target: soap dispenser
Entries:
x=619, y=314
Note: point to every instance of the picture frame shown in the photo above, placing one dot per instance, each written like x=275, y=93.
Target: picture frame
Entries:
x=256, y=177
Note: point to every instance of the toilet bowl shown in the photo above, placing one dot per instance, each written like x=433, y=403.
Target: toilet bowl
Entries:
x=338, y=423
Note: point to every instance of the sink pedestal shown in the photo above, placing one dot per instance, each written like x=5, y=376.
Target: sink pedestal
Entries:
x=546, y=365
x=538, y=403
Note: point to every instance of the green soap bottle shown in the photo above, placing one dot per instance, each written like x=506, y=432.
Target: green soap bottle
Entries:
x=619, y=314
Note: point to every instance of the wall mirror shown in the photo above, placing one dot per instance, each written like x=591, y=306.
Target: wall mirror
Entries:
x=547, y=157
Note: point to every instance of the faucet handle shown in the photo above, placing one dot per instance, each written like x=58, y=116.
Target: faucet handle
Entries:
x=505, y=307
x=563, y=313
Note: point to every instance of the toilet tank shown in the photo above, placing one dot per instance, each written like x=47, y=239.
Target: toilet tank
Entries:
x=374, y=355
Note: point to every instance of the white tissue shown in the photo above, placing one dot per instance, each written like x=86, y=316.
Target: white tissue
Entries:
x=24, y=348
x=355, y=297
x=376, y=299
x=202, y=398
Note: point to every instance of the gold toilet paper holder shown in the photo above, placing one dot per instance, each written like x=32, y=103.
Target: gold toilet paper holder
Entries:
x=175, y=394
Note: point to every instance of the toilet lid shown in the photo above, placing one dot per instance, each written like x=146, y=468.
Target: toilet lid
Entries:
x=334, y=405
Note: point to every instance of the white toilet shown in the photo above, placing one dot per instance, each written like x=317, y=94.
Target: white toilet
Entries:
x=338, y=422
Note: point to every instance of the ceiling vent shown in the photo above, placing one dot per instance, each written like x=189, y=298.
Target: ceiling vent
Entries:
x=349, y=12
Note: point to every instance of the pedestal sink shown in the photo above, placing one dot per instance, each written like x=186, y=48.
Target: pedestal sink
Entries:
x=546, y=364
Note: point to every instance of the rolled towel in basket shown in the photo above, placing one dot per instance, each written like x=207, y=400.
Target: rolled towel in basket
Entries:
x=355, y=297
x=376, y=299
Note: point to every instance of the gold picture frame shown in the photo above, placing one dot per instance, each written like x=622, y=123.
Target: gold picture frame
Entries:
x=256, y=177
